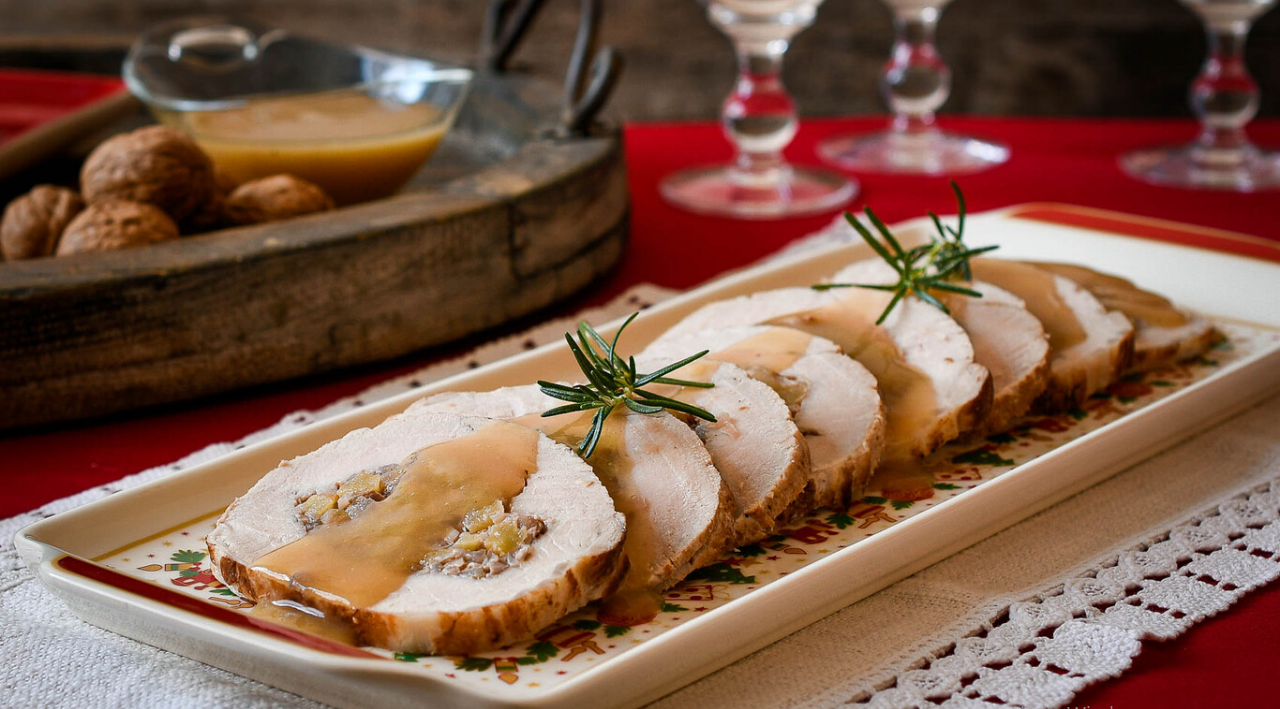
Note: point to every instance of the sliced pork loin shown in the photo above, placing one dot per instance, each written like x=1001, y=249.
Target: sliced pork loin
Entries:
x=753, y=442
x=1163, y=333
x=568, y=537
x=1007, y=339
x=921, y=359
x=1089, y=347
x=832, y=398
x=679, y=511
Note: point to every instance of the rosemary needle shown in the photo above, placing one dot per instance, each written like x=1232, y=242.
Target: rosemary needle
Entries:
x=613, y=382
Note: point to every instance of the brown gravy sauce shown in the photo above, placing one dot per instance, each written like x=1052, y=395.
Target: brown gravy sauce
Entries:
x=355, y=146
x=306, y=620
x=614, y=466
x=366, y=559
x=1040, y=292
x=1119, y=294
x=904, y=479
x=631, y=606
x=766, y=355
x=774, y=349
x=911, y=404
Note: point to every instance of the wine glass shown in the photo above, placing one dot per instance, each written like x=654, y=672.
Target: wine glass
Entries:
x=915, y=83
x=759, y=118
x=1224, y=97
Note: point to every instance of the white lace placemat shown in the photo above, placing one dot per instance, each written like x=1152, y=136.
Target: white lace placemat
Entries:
x=1024, y=619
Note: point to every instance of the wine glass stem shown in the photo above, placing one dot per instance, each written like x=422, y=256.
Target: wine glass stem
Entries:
x=1224, y=96
x=759, y=116
x=916, y=81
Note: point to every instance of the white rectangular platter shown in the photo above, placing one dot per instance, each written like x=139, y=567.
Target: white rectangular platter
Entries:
x=135, y=562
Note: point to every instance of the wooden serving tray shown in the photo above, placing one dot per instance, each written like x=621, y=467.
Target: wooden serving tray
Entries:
x=507, y=218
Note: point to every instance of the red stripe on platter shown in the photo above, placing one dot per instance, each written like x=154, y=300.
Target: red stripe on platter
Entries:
x=150, y=591
x=1154, y=229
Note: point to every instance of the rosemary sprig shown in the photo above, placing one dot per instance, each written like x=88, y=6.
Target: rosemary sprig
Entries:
x=932, y=266
x=613, y=382
x=948, y=246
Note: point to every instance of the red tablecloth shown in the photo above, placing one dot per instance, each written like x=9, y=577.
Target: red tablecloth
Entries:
x=1225, y=662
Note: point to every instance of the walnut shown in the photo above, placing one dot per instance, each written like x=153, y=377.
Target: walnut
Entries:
x=157, y=165
x=274, y=198
x=116, y=224
x=34, y=222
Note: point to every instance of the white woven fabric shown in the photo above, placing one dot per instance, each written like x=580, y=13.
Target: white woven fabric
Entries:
x=1025, y=619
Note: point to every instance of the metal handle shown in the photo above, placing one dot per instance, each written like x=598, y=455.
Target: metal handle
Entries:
x=586, y=91
x=505, y=23
x=606, y=69
x=584, y=48
x=592, y=74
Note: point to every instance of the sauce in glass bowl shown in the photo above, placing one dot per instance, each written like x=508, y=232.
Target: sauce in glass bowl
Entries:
x=356, y=146
x=357, y=121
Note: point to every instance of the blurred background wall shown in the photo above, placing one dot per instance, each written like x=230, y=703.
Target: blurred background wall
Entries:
x=1029, y=57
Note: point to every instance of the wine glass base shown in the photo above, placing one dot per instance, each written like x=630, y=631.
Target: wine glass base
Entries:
x=723, y=190
x=1189, y=166
x=930, y=153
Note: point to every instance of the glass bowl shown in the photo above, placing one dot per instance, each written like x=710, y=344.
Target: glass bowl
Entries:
x=261, y=101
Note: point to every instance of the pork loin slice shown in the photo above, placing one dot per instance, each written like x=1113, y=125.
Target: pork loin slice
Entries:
x=679, y=511
x=921, y=359
x=832, y=398
x=1163, y=332
x=753, y=442
x=576, y=558
x=1089, y=348
x=1007, y=339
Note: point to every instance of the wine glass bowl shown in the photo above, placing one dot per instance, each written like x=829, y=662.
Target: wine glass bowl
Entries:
x=759, y=119
x=1224, y=97
x=915, y=84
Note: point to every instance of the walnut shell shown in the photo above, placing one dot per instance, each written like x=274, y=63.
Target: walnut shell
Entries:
x=157, y=165
x=116, y=224
x=274, y=198
x=34, y=222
